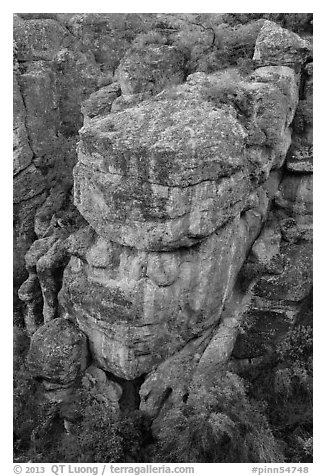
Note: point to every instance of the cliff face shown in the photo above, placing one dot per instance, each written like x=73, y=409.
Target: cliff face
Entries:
x=59, y=60
x=195, y=201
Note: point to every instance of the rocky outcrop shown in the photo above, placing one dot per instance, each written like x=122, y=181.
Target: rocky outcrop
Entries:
x=45, y=262
x=277, y=46
x=138, y=307
x=169, y=172
x=58, y=356
x=194, y=240
x=152, y=68
x=281, y=258
x=176, y=194
x=60, y=59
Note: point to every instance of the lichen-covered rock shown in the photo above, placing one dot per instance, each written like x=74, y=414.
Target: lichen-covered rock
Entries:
x=52, y=77
x=176, y=184
x=169, y=383
x=303, y=121
x=163, y=183
x=199, y=361
x=277, y=46
x=168, y=172
x=125, y=101
x=279, y=298
x=76, y=76
x=151, y=68
x=39, y=39
x=106, y=35
x=274, y=94
x=45, y=261
x=58, y=352
x=138, y=307
x=22, y=151
x=100, y=102
x=41, y=102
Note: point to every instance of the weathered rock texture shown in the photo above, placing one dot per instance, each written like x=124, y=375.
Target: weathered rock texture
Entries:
x=169, y=172
x=196, y=216
x=150, y=69
x=60, y=59
x=276, y=45
x=58, y=356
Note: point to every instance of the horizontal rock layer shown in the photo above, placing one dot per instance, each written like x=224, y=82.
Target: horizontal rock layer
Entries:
x=138, y=307
x=168, y=172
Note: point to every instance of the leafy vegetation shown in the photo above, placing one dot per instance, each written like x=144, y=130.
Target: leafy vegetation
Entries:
x=219, y=425
x=228, y=88
x=297, y=22
x=263, y=416
x=285, y=387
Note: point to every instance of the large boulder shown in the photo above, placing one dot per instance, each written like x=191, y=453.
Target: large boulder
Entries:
x=176, y=196
x=138, y=308
x=39, y=39
x=58, y=352
x=277, y=46
x=170, y=171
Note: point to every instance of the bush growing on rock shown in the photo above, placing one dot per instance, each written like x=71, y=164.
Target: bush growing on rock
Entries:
x=285, y=387
x=228, y=89
x=219, y=425
x=34, y=419
x=97, y=436
x=297, y=22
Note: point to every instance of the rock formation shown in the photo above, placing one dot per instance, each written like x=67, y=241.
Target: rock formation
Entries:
x=194, y=208
x=59, y=60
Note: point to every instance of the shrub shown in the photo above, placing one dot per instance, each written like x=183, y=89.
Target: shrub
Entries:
x=97, y=434
x=229, y=89
x=245, y=66
x=285, y=387
x=218, y=425
x=34, y=418
x=297, y=22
